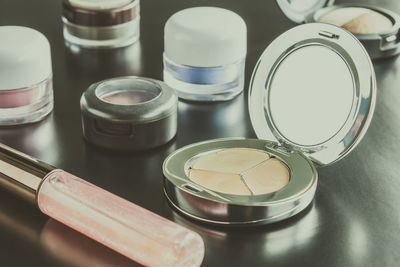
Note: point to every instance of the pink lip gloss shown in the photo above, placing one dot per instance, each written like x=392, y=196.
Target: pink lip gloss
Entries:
x=115, y=222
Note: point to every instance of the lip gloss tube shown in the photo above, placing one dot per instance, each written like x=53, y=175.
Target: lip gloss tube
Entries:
x=129, y=229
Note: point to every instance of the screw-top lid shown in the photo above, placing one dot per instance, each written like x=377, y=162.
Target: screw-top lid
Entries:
x=25, y=57
x=205, y=37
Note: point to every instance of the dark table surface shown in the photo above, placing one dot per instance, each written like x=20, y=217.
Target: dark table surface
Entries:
x=353, y=221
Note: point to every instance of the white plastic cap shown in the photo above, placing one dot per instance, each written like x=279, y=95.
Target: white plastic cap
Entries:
x=99, y=4
x=25, y=58
x=205, y=37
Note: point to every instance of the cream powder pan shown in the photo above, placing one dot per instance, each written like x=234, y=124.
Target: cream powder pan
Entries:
x=376, y=27
x=240, y=171
x=358, y=20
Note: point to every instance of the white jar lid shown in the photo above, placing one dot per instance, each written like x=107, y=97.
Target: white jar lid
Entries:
x=99, y=4
x=205, y=37
x=25, y=58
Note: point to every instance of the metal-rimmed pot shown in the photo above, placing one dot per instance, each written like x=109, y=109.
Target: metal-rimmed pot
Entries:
x=129, y=113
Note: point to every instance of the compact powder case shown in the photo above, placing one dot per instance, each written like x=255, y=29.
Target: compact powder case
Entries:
x=101, y=23
x=129, y=113
x=377, y=28
x=311, y=99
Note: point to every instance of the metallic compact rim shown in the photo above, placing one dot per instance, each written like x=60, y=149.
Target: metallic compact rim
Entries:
x=129, y=127
x=209, y=206
x=378, y=45
x=154, y=109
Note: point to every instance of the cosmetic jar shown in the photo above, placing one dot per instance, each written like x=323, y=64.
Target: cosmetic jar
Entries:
x=104, y=23
x=26, y=90
x=129, y=113
x=311, y=99
x=377, y=28
x=204, y=53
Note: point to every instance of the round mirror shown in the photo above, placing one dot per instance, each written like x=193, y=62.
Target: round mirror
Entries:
x=313, y=91
x=311, y=95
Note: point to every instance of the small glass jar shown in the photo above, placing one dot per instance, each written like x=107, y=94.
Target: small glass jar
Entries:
x=26, y=90
x=204, y=54
x=106, y=24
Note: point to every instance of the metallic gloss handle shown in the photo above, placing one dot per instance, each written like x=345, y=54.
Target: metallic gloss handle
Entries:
x=21, y=173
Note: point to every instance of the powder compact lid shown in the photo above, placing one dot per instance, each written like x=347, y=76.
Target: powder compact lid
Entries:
x=25, y=58
x=129, y=113
x=205, y=37
x=299, y=10
x=313, y=90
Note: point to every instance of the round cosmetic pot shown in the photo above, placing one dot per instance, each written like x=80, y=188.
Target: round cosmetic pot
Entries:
x=204, y=53
x=129, y=113
x=311, y=100
x=26, y=90
x=101, y=24
x=377, y=28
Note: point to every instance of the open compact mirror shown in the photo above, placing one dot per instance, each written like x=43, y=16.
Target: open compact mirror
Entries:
x=311, y=99
x=377, y=28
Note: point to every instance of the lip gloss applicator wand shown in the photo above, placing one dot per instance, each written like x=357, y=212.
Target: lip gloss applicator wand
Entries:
x=125, y=227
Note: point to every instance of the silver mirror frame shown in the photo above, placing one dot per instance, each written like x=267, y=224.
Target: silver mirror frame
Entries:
x=352, y=52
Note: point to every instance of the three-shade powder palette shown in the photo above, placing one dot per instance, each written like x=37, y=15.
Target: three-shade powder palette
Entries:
x=311, y=100
x=239, y=171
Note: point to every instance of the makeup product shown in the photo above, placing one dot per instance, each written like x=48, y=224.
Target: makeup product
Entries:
x=377, y=28
x=357, y=20
x=26, y=90
x=204, y=53
x=311, y=100
x=239, y=171
x=129, y=113
x=104, y=23
x=116, y=223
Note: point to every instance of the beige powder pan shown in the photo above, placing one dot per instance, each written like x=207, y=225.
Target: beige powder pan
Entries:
x=358, y=20
x=377, y=28
x=240, y=171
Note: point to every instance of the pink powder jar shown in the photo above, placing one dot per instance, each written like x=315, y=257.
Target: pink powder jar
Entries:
x=26, y=91
x=129, y=113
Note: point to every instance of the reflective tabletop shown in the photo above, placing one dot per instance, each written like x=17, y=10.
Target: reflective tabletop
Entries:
x=355, y=216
